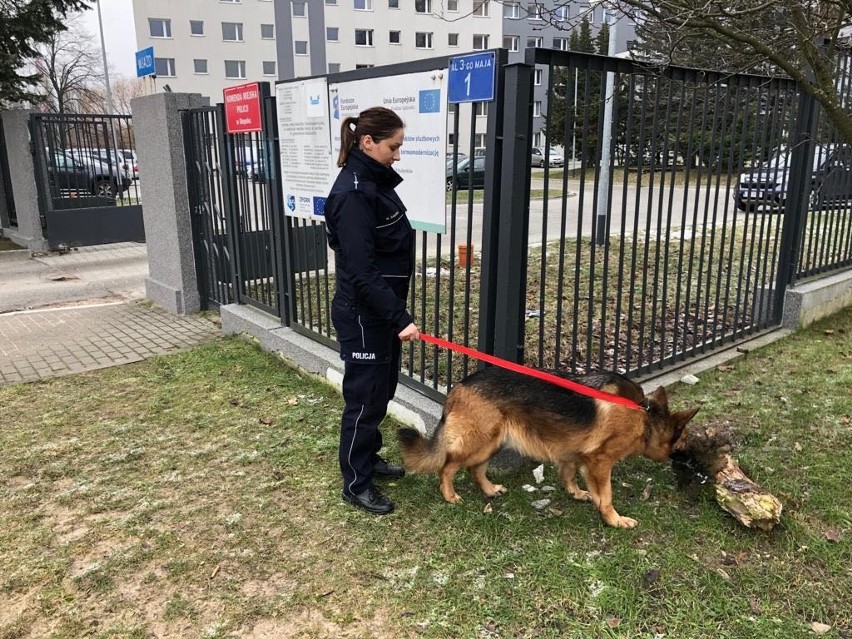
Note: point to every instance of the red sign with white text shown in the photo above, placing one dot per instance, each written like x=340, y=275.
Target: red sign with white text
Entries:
x=242, y=108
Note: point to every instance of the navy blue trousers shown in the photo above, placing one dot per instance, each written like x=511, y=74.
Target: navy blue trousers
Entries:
x=367, y=389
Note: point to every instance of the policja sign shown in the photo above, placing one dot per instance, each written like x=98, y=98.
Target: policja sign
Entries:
x=243, y=113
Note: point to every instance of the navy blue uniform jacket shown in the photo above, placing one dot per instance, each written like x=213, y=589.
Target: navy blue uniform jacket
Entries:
x=372, y=239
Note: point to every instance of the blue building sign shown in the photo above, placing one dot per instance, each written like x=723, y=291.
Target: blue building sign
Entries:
x=145, y=63
x=472, y=78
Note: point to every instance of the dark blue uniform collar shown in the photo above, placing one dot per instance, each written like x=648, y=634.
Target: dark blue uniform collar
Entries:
x=362, y=164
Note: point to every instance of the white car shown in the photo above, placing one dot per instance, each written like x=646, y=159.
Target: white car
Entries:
x=555, y=158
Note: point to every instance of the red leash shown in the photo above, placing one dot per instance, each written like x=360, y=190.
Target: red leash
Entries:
x=531, y=372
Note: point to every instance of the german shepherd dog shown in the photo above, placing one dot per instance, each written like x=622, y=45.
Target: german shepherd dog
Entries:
x=495, y=407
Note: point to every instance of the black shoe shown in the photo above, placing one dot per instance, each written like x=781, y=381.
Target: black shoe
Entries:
x=385, y=469
x=370, y=500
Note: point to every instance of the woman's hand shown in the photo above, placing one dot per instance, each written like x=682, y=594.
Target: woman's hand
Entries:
x=410, y=333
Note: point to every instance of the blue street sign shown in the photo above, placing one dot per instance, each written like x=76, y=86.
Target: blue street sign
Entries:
x=145, y=63
x=472, y=78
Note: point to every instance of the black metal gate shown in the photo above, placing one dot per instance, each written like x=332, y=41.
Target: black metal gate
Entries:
x=86, y=178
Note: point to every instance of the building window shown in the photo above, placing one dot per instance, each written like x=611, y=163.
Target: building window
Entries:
x=363, y=37
x=423, y=40
x=480, y=108
x=394, y=37
x=537, y=77
x=451, y=139
x=537, y=139
x=453, y=40
x=334, y=67
x=364, y=66
x=160, y=28
x=269, y=67
x=480, y=8
x=232, y=31
x=331, y=1
x=537, y=109
x=364, y=5
x=332, y=34
x=479, y=141
x=534, y=11
x=196, y=27
x=231, y=1
x=562, y=13
x=511, y=43
x=452, y=5
x=560, y=43
x=393, y=4
x=512, y=10
x=423, y=6
x=299, y=10
x=200, y=66
x=164, y=67
x=480, y=41
x=534, y=42
x=235, y=69
x=267, y=32
x=301, y=47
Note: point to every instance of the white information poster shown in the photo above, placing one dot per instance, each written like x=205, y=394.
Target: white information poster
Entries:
x=420, y=99
x=308, y=167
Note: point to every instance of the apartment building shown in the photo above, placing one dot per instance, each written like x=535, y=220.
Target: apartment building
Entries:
x=327, y=36
x=204, y=46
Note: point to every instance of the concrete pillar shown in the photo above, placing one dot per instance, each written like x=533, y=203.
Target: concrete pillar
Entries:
x=28, y=233
x=172, y=282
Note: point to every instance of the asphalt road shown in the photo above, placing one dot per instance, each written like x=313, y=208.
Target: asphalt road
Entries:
x=113, y=272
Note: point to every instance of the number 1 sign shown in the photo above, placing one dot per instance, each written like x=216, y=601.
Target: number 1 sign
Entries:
x=471, y=78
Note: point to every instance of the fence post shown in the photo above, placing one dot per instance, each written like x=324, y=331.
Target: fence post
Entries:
x=22, y=196
x=513, y=217
x=796, y=207
x=172, y=282
x=280, y=229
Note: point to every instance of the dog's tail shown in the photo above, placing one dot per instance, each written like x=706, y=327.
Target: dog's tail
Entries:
x=421, y=455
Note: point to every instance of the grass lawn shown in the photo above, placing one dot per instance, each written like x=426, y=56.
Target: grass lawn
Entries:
x=197, y=495
x=8, y=245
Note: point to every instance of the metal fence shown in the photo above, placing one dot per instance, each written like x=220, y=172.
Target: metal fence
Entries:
x=648, y=247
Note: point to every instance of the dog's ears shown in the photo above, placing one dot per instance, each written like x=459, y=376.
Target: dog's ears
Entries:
x=660, y=397
x=683, y=417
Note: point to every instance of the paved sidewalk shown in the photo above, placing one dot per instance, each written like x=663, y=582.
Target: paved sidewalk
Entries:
x=40, y=344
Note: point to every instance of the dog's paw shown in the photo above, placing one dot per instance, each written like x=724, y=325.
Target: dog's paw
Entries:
x=455, y=498
x=495, y=491
x=624, y=522
x=581, y=495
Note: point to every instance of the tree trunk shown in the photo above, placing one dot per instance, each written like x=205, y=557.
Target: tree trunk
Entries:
x=750, y=504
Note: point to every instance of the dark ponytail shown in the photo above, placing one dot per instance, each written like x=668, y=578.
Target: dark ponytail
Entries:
x=377, y=122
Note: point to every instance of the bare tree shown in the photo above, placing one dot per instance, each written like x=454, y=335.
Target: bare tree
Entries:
x=123, y=91
x=70, y=69
x=803, y=39
x=809, y=41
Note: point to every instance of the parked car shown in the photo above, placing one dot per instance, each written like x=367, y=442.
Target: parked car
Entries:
x=461, y=157
x=830, y=181
x=462, y=179
x=75, y=171
x=556, y=158
x=132, y=160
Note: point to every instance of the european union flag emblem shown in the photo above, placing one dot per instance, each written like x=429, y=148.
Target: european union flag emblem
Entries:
x=319, y=206
x=430, y=101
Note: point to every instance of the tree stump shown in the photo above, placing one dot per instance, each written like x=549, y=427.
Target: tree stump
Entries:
x=704, y=455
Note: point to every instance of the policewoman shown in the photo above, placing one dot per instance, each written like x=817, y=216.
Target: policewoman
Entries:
x=373, y=244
